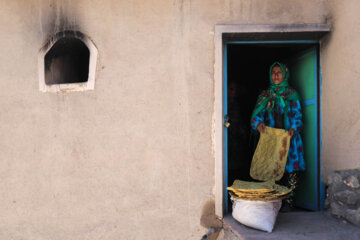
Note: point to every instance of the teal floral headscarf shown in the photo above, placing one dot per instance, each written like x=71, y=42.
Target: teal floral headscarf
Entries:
x=276, y=95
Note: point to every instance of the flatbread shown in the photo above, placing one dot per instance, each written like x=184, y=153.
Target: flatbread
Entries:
x=261, y=191
x=270, y=156
x=269, y=198
x=251, y=186
x=251, y=191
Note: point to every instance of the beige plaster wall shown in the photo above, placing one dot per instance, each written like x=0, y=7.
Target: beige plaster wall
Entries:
x=133, y=159
x=341, y=88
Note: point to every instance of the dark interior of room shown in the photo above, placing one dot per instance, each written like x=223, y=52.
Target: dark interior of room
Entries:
x=248, y=74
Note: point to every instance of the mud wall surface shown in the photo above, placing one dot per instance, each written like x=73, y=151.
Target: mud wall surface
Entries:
x=133, y=159
x=340, y=89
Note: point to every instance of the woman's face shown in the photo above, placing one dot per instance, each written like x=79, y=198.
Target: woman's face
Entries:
x=277, y=75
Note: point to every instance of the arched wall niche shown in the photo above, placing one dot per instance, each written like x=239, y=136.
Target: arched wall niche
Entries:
x=67, y=62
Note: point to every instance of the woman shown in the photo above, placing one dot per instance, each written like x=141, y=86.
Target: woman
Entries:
x=279, y=107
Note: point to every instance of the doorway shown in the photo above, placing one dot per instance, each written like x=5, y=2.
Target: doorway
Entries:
x=246, y=74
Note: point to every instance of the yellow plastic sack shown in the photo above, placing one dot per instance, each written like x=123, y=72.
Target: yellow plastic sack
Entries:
x=270, y=156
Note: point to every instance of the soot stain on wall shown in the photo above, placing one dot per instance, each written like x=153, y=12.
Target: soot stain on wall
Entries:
x=66, y=56
x=55, y=17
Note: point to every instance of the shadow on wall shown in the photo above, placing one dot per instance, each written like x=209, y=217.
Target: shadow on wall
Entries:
x=210, y=221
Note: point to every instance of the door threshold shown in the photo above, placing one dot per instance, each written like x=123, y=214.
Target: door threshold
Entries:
x=299, y=225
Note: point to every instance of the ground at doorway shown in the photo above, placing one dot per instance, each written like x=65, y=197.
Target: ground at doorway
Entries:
x=294, y=226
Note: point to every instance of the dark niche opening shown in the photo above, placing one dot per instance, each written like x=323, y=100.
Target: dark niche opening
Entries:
x=67, y=62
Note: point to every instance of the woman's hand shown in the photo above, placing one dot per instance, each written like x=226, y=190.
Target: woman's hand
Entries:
x=261, y=127
x=291, y=132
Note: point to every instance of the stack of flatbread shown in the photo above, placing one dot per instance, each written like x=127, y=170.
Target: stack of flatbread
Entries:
x=259, y=191
x=268, y=166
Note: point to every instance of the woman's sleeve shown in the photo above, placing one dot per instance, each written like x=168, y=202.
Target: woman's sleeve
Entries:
x=296, y=116
x=257, y=119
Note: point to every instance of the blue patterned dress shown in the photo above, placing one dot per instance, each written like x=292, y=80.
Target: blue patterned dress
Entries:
x=295, y=160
